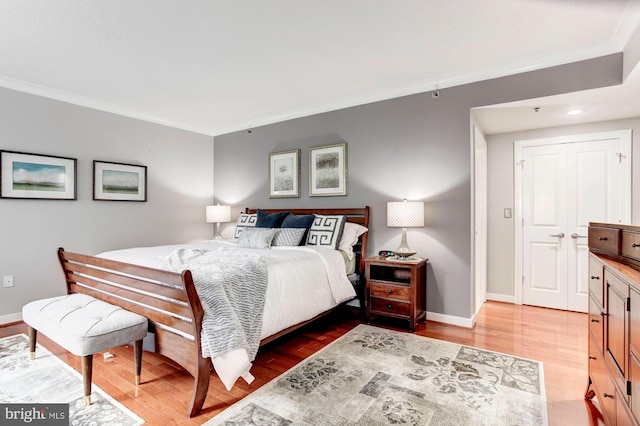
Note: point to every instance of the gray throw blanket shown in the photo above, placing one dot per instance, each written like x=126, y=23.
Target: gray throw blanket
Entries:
x=232, y=286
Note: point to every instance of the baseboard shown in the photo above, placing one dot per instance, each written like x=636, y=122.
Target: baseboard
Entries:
x=449, y=319
x=501, y=297
x=8, y=319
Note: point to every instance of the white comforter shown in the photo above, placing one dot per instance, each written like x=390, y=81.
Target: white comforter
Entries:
x=302, y=283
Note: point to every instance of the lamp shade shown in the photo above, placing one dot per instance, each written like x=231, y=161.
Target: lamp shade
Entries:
x=218, y=214
x=405, y=214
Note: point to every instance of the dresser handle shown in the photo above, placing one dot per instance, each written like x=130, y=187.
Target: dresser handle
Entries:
x=592, y=357
x=635, y=245
x=594, y=277
x=606, y=395
x=389, y=306
x=603, y=238
x=603, y=314
x=595, y=320
x=389, y=291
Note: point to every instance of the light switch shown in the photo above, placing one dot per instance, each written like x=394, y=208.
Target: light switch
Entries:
x=507, y=213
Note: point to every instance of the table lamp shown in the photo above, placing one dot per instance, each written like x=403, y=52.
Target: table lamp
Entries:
x=405, y=214
x=218, y=214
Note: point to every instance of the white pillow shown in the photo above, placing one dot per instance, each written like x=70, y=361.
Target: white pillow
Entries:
x=258, y=238
x=326, y=231
x=245, y=221
x=350, y=235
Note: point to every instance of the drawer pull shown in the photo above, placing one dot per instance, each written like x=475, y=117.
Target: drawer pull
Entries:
x=595, y=320
x=593, y=277
x=389, y=306
x=592, y=357
x=389, y=291
x=603, y=238
x=603, y=314
x=635, y=245
x=606, y=395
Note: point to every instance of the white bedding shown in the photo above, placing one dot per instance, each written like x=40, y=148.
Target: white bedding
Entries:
x=303, y=281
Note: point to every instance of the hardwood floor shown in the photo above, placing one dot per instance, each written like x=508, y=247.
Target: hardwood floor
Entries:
x=557, y=338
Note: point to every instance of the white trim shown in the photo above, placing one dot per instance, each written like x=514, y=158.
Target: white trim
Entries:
x=625, y=146
x=8, y=319
x=449, y=319
x=495, y=297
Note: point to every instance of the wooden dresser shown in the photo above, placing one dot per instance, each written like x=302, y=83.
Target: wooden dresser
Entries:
x=614, y=321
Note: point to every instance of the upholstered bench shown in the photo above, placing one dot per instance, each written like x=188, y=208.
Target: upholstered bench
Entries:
x=84, y=325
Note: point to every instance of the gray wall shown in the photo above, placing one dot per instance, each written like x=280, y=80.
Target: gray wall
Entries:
x=414, y=147
x=501, y=231
x=180, y=184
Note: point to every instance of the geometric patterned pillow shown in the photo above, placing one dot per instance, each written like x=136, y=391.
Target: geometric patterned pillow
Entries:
x=289, y=237
x=326, y=231
x=245, y=221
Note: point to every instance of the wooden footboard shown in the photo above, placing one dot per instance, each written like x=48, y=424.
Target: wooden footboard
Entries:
x=168, y=299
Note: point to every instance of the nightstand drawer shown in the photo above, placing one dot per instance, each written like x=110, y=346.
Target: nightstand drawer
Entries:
x=390, y=306
x=390, y=291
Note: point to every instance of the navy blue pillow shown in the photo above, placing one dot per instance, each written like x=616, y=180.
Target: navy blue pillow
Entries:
x=299, y=221
x=270, y=220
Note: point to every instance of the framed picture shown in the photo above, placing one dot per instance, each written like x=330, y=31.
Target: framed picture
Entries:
x=284, y=174
x=35, y=176
x=119, y=182
x=328, y=170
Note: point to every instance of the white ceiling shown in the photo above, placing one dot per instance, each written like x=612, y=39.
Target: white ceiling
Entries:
x=216, y=66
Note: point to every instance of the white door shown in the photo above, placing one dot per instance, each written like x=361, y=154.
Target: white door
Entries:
x=564, y=186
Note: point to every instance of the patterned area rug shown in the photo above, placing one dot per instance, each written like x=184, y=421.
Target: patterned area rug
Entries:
x=373, y=376
x=47, y=379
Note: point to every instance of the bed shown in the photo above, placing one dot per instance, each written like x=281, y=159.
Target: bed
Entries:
x=165, y=284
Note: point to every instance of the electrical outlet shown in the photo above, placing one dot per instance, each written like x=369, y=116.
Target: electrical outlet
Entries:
x=7, y=281
x=507, y=213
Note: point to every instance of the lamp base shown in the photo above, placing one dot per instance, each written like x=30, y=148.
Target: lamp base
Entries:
x=403, y=252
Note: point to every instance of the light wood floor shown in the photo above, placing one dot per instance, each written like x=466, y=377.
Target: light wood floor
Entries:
x=557, y=338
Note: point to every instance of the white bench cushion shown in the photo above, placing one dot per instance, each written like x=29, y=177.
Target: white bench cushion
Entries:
x=82, y=324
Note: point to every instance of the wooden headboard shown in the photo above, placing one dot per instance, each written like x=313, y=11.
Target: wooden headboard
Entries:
x=356, y=215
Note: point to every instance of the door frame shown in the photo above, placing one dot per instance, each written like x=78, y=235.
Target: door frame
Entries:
x=625, y=149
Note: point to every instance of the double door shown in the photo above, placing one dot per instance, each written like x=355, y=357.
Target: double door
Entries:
x=564, y=187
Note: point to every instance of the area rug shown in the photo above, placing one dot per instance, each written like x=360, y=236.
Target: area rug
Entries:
x=373, y=376
x=48, y=379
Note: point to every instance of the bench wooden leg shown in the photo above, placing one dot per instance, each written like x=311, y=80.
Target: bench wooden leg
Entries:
x=137, y=356
x=87, y=369
x=33, y=336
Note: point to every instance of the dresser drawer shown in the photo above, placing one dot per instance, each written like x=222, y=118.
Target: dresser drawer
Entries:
x=605, y=388
x=596, y=279
x=631, y=244
x=596, y=323
x=390, y=291
x=390, y=306
x=604, y=239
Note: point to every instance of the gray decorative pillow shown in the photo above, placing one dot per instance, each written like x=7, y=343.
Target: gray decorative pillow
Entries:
x=258, y=238
x=245, y=221
x=326, y=231
x=288, y=236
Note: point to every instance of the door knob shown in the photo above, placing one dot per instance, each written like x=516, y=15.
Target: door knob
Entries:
x=560, y=235
x=574, y=235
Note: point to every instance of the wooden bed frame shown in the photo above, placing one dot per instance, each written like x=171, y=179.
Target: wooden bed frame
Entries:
x=170, y=301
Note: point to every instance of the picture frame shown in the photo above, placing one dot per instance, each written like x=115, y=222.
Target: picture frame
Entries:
x=284, y=174
x=119, y=181
x=328, y=170
x=26, y=175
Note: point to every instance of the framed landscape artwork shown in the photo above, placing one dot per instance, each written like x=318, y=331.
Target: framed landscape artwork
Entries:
x=284, y=174
x=119, y=182
x=328, y=170
x=35, y=176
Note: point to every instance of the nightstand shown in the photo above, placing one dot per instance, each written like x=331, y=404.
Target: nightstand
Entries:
x=396, y=288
